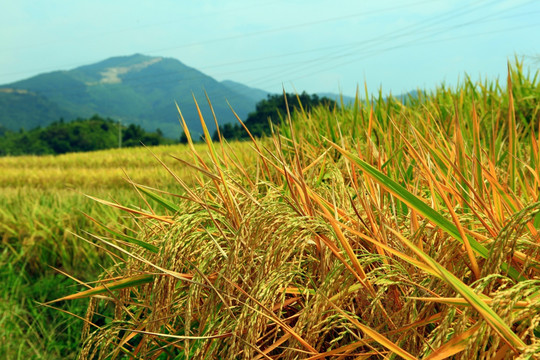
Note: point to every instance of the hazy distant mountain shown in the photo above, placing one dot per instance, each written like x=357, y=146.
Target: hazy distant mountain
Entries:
x=337, y=98
x=134, y=89
x=22, y=109
x=252, y=93
x=411, y=95
x=257, y=94
x=349, y=100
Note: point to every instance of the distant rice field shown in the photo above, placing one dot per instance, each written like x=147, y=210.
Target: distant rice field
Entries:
x=98, y=170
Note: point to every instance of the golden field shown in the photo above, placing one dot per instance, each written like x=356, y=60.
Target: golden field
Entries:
x=383, y=229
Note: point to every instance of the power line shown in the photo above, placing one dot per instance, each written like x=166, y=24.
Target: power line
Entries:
x=259, y=33
x=378, y=52
x=315, y=22
x=377, y=41
x=367, y=51
x=288, y=54
x=290, y=27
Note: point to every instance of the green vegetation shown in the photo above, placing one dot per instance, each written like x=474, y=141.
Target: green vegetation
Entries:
x=270, y=111
x=79, y=135
x=27, y=110
x=375, y=230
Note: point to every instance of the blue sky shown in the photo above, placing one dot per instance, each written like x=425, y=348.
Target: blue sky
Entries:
x=317, y=46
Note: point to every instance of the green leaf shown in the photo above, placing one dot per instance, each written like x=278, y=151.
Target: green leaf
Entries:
x=160, y=200
x=490, y=316
x=422, y=208
x=124, y=237
x=114, y=285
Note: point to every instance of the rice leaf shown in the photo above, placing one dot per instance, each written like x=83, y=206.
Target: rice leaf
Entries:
x=490, y=316
x=421, y=207
x=124, y=237
x=378, y=337
x=160, y=200
x=113, y=285
x=456, y=301
x=456, y=345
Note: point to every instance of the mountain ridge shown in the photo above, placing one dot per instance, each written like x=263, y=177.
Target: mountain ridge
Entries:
x=136, y=89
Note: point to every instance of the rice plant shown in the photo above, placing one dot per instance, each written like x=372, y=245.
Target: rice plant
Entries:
x=42, y=206
x=384, y=229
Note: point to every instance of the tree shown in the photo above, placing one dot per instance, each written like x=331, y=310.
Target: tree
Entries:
x=60, y=137
x=183, y=138
x=273, y=110
x=133, y=135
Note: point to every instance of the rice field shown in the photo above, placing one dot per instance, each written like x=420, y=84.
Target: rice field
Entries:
x=377, y=230
x=43, y=204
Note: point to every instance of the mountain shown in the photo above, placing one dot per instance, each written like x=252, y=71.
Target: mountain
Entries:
x=19, y=109
x=252, y=93
x=134, y=89
x=347, y=100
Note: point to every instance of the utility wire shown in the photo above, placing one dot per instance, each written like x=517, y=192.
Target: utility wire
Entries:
x=381, y=51
x=368, y=44
x=348, y=46
x=324, y=61
x=367, y=52
x=100, y=35
x=262, y=32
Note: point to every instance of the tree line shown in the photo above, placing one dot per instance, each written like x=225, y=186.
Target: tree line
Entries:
x=97, y=133
x=91, y=134
x=271, y=110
